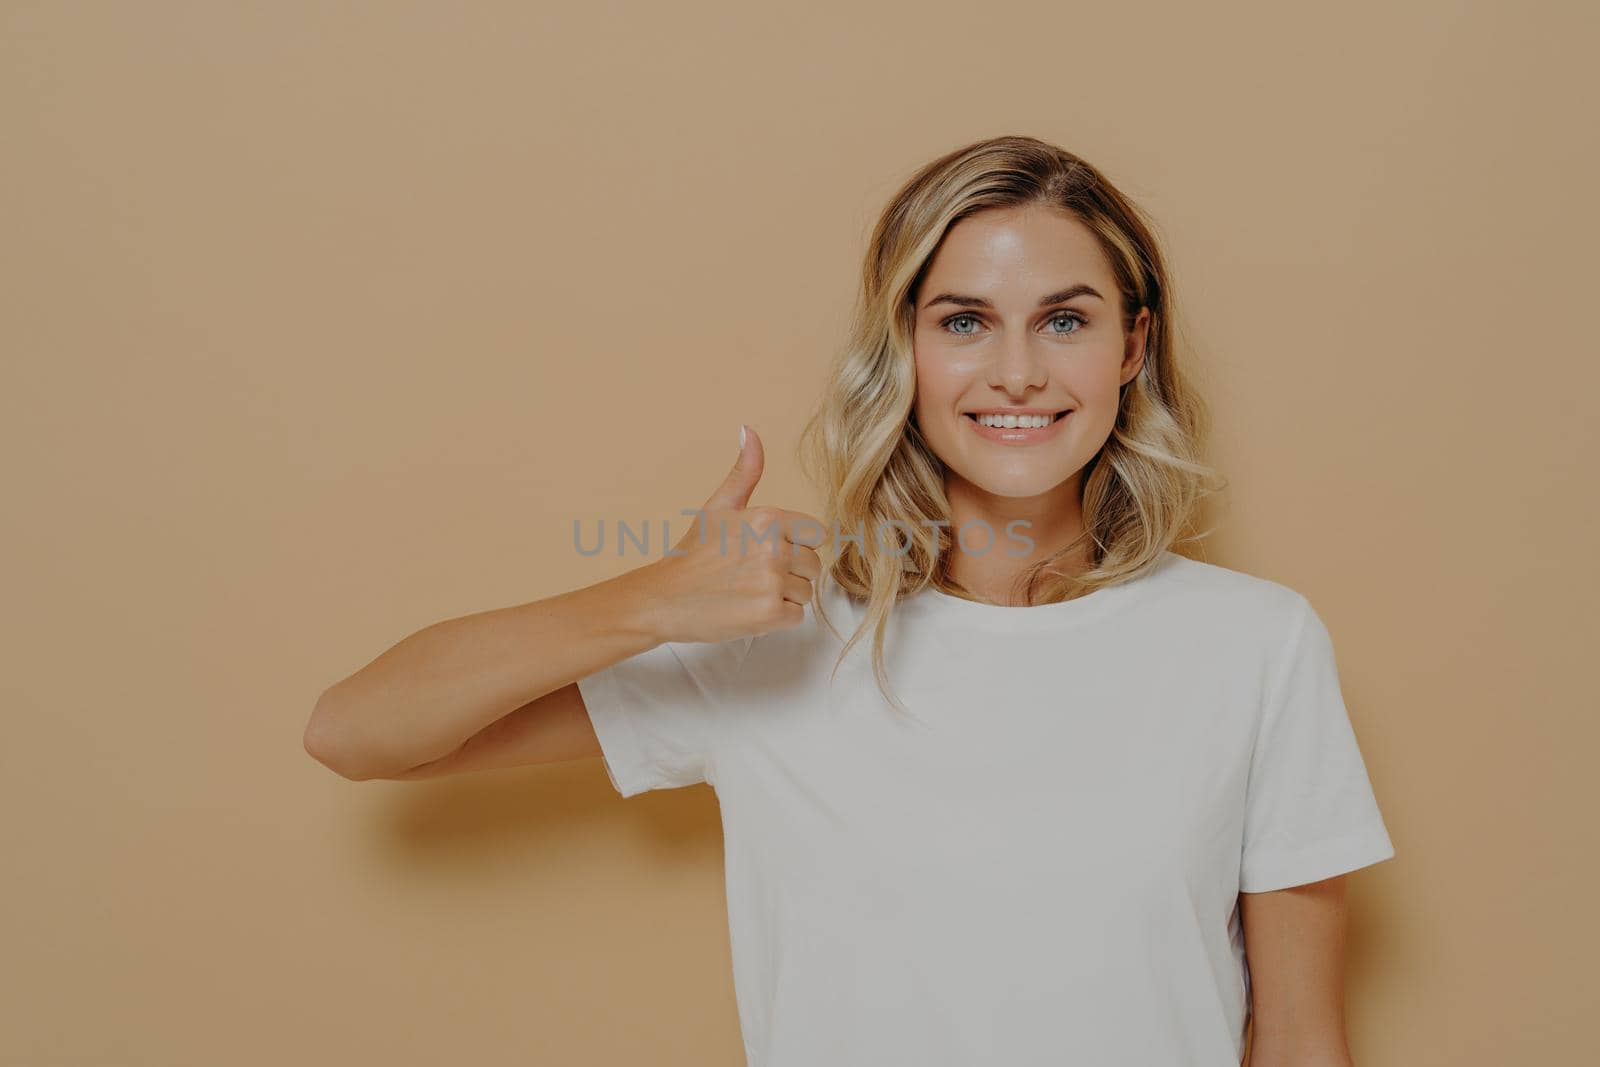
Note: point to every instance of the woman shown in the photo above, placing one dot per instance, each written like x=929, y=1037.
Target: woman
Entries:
x=1078, y=773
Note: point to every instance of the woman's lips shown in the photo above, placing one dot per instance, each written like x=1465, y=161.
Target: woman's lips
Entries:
x=1017, y=435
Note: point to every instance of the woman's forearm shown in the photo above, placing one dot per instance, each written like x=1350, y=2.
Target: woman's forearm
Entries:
x=429, y=693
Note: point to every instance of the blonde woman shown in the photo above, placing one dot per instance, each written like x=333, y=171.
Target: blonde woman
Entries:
x=1023, y=785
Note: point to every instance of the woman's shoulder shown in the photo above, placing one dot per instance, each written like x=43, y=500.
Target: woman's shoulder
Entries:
x=1230, y=594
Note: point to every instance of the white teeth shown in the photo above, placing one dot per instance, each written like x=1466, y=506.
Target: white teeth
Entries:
x=1026, y=422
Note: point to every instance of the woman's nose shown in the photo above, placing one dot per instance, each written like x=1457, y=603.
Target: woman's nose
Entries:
x=1018, y=366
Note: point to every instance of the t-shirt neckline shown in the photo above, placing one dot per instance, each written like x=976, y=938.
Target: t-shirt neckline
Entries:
x=938, y=604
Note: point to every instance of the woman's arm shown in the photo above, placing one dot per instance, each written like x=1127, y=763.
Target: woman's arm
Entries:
x=426, y=706
x=425, y=698
x=1294, y=942
x=553, y=728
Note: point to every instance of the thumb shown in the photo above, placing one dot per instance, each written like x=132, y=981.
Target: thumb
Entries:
x=735, y=490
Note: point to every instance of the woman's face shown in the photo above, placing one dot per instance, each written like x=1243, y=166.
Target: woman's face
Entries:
x=1019, y=309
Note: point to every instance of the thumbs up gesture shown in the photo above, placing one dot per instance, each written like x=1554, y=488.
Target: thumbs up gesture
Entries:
x=740, y=570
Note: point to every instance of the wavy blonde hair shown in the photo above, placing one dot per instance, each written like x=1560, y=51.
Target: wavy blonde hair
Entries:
x=876, y=470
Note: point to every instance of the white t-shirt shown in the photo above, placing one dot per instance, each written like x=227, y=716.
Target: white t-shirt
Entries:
x=1045, y=869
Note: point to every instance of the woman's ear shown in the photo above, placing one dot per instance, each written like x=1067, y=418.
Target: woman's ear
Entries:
x=1133, y=348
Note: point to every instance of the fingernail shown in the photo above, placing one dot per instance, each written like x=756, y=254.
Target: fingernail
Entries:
x=741, y=437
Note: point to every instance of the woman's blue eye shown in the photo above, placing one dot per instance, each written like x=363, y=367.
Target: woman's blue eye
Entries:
x=1072, y=317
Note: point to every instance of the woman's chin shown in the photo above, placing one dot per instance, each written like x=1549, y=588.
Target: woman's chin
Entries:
x=1021, y=481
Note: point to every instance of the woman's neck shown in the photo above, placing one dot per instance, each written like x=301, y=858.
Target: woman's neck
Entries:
x=998, y=532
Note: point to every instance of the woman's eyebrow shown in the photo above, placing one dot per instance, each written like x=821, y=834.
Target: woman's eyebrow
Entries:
x=979, y=302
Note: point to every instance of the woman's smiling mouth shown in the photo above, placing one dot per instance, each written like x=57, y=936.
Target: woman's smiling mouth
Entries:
x=1027, y=426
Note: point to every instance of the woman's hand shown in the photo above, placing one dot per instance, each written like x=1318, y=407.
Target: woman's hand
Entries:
x=739, y=570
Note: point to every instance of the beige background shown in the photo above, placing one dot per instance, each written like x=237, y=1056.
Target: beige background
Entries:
x=323, y=322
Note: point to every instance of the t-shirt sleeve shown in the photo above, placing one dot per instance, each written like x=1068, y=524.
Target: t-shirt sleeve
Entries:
x=1310, y=812
x=659, y=714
